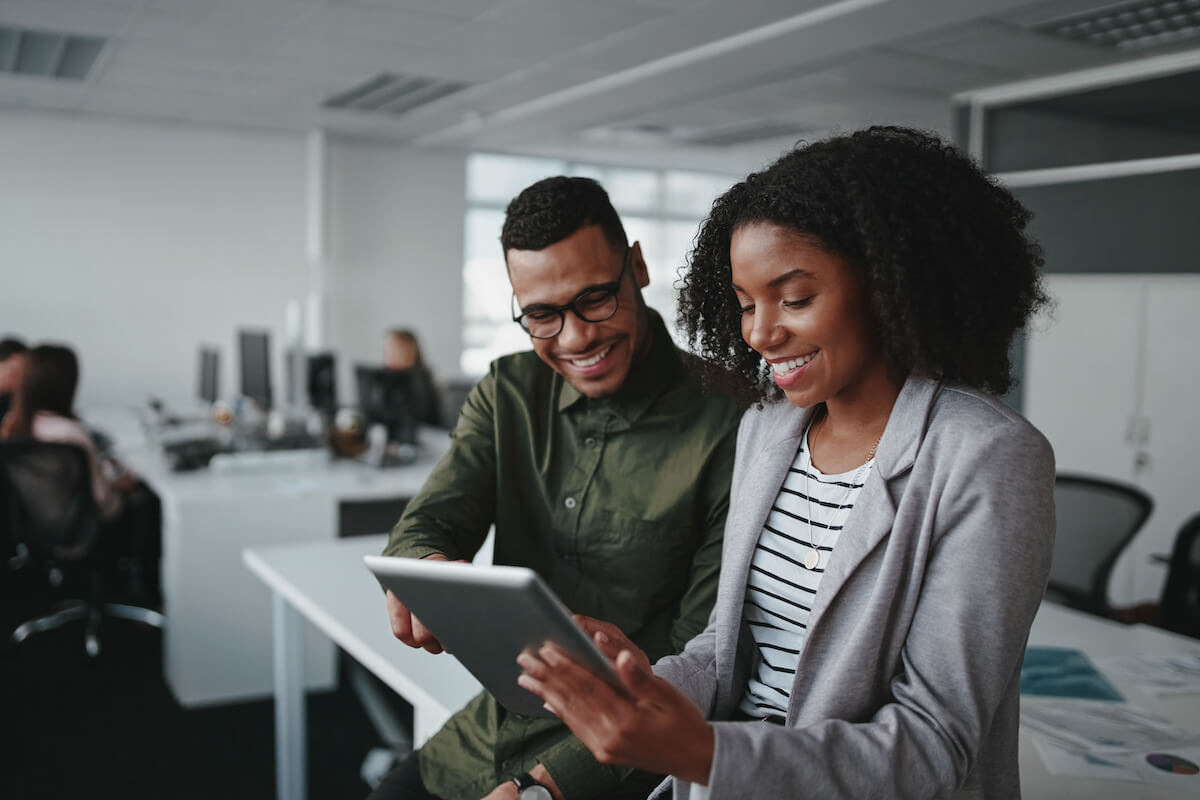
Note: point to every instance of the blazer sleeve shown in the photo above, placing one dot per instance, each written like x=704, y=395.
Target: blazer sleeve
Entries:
x=989, y=559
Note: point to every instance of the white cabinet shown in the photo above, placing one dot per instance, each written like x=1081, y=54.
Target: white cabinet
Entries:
x=1112, y=378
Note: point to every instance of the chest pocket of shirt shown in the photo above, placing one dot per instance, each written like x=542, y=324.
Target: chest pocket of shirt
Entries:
x=637, y=566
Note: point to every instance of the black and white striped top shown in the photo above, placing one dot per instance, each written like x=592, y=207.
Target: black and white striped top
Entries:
x=780, y=590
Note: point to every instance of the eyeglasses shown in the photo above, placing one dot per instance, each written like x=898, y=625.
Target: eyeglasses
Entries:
x=594, y=304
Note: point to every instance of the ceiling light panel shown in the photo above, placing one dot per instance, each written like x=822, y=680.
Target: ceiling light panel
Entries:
x=1137, y=25
x=46, y=54
x=394, y=94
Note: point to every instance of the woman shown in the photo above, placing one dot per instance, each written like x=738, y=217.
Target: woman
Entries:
x=890, y=522
x=43, y=409
x=402, y=351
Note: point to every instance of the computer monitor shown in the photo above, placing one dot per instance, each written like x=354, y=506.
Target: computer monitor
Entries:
x=320, y=381
x=209, y=384
x=385, y=397
x=255, y=350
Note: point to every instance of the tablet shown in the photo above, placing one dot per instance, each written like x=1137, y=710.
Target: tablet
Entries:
x=485, y=616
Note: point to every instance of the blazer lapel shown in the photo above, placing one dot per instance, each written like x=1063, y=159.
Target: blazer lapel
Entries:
x=765, y=472
x=874, y=512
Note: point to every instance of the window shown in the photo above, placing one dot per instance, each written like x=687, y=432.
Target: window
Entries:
x=661, y=209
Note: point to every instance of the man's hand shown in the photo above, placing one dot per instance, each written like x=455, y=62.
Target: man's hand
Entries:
x=508, y=789
x=406, y=627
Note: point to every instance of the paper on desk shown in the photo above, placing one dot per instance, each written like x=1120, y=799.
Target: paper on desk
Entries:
x=1102, y=726
x=1158, y=673
x=1176, y=767
x=1060, y=760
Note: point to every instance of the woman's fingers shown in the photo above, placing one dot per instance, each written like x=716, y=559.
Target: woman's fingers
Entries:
x=633, y=672
x=566, y=685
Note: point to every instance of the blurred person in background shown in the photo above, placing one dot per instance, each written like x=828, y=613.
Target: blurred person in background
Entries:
x=402, y=352
x=43, y=409
x=12, y=352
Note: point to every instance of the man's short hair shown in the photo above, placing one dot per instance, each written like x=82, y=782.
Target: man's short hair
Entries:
x=10, y=347
x=554, y=208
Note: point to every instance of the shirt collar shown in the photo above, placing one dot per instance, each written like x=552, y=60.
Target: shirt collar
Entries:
x=647, y=379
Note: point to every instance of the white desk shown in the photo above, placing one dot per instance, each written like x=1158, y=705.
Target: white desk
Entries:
x=327, y=584
x=217, y=642
x=1061, y=627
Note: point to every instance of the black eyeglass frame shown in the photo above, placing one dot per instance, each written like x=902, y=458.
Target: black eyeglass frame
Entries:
x=599, y=291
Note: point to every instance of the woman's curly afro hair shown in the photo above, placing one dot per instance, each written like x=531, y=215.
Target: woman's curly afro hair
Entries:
x=949, y=273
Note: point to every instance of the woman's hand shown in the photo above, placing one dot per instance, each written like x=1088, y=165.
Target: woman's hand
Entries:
x=650, y=725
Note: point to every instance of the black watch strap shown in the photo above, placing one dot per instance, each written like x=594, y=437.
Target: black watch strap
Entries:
x=524, y=781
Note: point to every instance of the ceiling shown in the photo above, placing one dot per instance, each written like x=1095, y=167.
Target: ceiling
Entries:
x=696, y=79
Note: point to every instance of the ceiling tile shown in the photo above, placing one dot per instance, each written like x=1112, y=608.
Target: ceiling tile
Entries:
x=896, y=68
x=1000, y=46
x=458, y=9
x=66, y=16
x=378, y=23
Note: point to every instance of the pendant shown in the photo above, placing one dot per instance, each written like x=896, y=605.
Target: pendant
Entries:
x=811, y=559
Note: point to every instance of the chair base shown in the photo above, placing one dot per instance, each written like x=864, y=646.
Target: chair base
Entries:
x=74, y=611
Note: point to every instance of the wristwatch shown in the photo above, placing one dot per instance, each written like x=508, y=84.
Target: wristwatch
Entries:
x=529, y=789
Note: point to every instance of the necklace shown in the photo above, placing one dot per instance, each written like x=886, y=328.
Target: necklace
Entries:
x=813, y=557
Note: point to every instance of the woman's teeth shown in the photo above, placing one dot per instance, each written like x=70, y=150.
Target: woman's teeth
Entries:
x=784, y=367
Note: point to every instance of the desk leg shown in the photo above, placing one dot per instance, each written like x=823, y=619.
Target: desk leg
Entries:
x=290, y=725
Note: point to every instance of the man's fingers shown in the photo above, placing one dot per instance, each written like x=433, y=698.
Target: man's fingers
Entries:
x=408, y=629
x=424, y=638
x=400, y=620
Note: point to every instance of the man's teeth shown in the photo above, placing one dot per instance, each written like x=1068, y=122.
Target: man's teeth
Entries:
x=584, y=363
x=784, y=367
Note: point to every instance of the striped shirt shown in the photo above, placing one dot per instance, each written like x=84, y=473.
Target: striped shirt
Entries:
x=811, y=508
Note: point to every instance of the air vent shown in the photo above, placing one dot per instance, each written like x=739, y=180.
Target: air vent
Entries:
x=740, y=134
x=394, y=94
x=46, y=54
x=1130, y=26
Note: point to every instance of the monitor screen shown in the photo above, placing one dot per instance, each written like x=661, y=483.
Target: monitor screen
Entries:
x=322, y=382
x=209, y=386
x=255, y=350
x=385, y=396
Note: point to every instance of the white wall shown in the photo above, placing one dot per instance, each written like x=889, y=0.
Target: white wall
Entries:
x=136, y=242
x=396, y=252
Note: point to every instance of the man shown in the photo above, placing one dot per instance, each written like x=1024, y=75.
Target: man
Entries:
x=603, y=467
x=12, y=352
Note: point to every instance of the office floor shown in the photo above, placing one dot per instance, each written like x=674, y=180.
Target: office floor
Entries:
x=112, y=729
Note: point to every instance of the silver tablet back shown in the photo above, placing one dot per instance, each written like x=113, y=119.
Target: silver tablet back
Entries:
x=485, y=616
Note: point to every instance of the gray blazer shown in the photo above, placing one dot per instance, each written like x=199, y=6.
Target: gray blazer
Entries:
x=908, y=685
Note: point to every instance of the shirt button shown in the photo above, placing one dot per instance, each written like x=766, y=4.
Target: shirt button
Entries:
x=506, y=764
x=590, y=441
x=569, y=502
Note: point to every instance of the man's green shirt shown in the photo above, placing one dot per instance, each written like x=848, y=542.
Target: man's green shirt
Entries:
x=618, y=503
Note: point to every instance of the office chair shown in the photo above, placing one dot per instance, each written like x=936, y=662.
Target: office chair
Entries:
x=1096, y=519
x=53, y=519
x=1179, y=606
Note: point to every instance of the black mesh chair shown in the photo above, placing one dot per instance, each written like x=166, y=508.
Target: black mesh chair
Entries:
x=1096, y=519
x=54, y=523
x=1179, y=606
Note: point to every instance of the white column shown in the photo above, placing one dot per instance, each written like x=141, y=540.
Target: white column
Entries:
x=316, y=244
